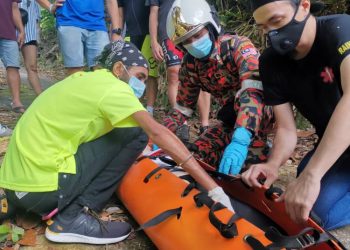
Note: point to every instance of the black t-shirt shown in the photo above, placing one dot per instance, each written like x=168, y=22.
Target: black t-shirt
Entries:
x=164, y=8
x=313, y=83
x=136, y=15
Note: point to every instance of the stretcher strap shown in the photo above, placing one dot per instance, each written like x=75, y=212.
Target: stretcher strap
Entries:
x=272, y=191
x=306, y=238
x=160, y=218
x=228, y=230
x=188, y=189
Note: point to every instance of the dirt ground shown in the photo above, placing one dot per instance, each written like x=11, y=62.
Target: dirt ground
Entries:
x=139, y=240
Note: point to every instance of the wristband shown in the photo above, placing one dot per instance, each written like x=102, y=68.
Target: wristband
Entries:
x=187, y=159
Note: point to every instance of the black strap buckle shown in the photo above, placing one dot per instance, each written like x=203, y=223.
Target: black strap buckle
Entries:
x=306, y=240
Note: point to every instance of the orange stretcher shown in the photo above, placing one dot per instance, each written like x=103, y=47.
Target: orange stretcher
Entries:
x=176, y=213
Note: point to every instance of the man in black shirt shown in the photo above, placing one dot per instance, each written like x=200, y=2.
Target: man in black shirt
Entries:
x=135, y=14
x=307, y=64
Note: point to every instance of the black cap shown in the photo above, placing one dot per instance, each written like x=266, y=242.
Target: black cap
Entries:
x=255, y=4
x=316, y=6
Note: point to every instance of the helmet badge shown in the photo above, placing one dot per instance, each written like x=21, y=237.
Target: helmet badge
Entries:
x=181, y=28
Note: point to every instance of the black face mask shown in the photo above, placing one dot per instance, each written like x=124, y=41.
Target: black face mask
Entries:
x=284, y=40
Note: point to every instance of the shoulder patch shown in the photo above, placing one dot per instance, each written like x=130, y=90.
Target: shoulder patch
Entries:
x=344, y=48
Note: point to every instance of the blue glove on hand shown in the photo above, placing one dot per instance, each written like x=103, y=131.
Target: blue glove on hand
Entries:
x=236, y=152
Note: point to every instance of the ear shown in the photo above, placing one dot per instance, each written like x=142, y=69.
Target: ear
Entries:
x=118, y=69
x=306, y=5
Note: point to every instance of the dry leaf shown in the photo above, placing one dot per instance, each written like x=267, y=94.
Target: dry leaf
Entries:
x=104, y=216
x=305, y=133
x=40, y=230
x=114, y=210
x=29, y=238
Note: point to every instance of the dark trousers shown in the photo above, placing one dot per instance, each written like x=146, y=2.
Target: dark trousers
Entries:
x=100, y=164
x=138, y=40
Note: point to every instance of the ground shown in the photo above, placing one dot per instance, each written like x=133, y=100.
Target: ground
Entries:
x=116, y=211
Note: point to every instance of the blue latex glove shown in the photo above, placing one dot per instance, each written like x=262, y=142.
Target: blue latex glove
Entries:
x=236, y=152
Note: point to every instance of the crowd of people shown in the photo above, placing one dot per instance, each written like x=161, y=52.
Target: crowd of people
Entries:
x=73, y=145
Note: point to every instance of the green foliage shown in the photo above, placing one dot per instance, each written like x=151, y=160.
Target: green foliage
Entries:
x=47, y=25
x=13, y=231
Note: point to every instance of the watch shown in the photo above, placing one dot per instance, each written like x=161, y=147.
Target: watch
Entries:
x=117, y=31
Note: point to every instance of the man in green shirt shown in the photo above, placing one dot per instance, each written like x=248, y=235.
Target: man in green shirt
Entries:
x=76, y=141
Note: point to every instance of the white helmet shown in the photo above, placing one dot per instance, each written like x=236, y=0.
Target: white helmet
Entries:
x=187, y=17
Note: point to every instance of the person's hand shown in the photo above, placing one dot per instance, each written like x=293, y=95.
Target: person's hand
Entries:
x=252, y=175
x=218, y=195
x=157, y=51
x=55, y=5
x=20, y=39
x=300, y=196
x=236, y=152
x=116, y=37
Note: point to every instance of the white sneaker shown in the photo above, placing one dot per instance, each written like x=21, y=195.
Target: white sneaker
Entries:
x=5, y=131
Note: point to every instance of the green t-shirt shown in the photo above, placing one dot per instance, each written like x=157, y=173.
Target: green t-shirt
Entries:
x=79, y=109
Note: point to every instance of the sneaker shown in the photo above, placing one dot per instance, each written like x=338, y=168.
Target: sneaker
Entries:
x=183, y=133
x=86, y=228
x=5, y=131
x=5, y=210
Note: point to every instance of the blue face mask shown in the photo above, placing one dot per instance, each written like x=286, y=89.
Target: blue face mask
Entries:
x=137, y=86
x=200, y=48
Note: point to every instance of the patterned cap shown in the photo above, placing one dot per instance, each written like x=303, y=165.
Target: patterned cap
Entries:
x=120, y=51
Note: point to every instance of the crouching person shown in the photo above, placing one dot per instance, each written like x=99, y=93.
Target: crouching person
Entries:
x=77, y=140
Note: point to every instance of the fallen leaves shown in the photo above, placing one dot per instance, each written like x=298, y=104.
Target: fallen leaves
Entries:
x=112, y=213
x=29, y=238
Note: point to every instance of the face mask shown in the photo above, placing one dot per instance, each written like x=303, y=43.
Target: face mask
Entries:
x=284, y=40
x=200, y=48
x=137, y=86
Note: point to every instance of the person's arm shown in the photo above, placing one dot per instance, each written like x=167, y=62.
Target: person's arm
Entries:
x=250, y=96
x=166, y=140
x=249, y=104
x=121, y=16
x=283, y=147
x=112, y=8
x=18, y=23
x=51, y=7
x=302, y=193
x=186, y=100
x=153, y=31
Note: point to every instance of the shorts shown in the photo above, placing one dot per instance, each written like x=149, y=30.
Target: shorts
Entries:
x=79, y=45
x=144, y=42
x=9, y=53
x=172, y=55
x=32, y=42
